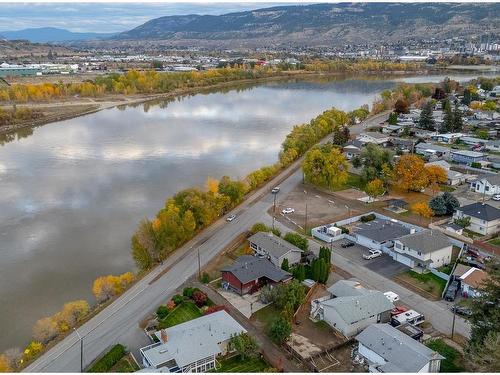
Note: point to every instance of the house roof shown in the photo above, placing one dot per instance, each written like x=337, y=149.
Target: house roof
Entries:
x=402, y=353
x=381, y=230
x=247, y=268
x=433, y=147
x=472, y=154
x=461, y=269
x=493, y=179
x=194, y=340
x=474, y=277
x=481, y=211
x=374, y=135
x=425, y=241
x=397, y=202
x=273, y=245
x=355, y=308
x=343, y=288
x=440, y=163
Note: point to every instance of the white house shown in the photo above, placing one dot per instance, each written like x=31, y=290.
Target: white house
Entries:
x=428, y=248
x=453, y=177
x=373, y=137
x=351, y=151
x=447, y=138
x=471, y=280
x=484, y=219
x=387, y=349
x=433, y=151
x=192, y=346
x=392, y=129
x=378, y=234
x=274, y=248
x=488, y=184
x=350, y=308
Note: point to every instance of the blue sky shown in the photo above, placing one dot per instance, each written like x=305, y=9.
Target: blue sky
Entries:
x=105, y=17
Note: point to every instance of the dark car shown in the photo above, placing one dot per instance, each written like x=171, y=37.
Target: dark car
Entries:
x=451, y=292
x=347, y=244
x=460, y=310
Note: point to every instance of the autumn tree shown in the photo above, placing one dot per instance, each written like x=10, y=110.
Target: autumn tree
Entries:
x=72, y=313
x=4, y=364
x=410, y=173
x=32, y=350
x=235, y=190
x=375, y=188
x=325, y=166
x=422, y=209
x=436, y=175
x=106, y=287
x=45, y=329
x=13, y=356
x=212, y=185
x=401, y=106
x=340, y=136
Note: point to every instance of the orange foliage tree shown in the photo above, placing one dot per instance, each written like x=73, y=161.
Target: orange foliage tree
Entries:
x=422, y=209
x=436, y=175
x=410, y=174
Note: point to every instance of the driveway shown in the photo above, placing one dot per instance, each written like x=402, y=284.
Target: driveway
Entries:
x=247, y=304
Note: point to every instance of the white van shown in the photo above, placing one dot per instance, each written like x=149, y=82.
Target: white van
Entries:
x=391, y=296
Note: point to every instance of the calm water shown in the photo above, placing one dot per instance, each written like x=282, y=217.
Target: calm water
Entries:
x=72, y=193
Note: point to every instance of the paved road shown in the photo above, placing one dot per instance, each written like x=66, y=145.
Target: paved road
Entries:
x=118, y=323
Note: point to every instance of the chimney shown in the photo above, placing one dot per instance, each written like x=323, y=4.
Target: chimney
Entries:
x=164, y=336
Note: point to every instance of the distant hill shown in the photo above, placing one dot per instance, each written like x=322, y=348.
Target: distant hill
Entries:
x=50, y=34
x=22, y=48
x=326, y=24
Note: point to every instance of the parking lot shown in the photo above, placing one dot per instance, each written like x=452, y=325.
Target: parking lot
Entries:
x=383, y=265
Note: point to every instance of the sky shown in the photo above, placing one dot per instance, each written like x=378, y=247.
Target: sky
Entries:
x=105, y=17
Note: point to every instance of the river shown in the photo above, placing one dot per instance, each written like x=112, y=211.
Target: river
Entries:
x=72, y=192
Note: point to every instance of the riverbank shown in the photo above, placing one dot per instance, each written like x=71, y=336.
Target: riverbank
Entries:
x=75, y=107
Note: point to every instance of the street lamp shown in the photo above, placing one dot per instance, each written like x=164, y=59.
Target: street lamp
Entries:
x=81, y=348
x=305, y=219
x=274, y=207
x=348, y=209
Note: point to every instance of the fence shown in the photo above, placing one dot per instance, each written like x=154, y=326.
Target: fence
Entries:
x=440, y=274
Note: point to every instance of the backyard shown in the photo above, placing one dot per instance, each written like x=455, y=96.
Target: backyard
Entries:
x=236, y=364
x=184, y=312
x=495, y=241
x=427, y=285
x=453, y=362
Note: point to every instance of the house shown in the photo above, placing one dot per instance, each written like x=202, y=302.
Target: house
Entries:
x=484, y=219
x=447, y=138
x=428, y=248
x=397, y=205
x=453, y=177
x=487, y=184
x=378, y=234
x=404, y=144
x=493, y=145
x=375, y=138
x=471, y=281
x=386, y=349
x=432, y=151
x=350, y=308
x=274, y=248
x=351, y=151
x=424, y=134
x=454, y=228
x=192, y=346
x=494, y=162
x=392, y=129
x=472, y=141
x=249, y=273
x=467, y=157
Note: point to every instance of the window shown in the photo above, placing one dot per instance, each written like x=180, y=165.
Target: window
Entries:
x=487, y=188
x=419, y=253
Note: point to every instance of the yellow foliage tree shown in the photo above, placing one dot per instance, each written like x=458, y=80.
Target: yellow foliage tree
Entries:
x=375, y=188
x=105, y=287
x=72, y=313
x=409, y=173
x=436, y=175
x=45, y=329
x=212, y=185
x=422, y=209
x=32, y=350
x=5, y=365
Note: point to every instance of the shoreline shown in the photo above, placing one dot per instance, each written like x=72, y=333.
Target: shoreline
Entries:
x=91, y=105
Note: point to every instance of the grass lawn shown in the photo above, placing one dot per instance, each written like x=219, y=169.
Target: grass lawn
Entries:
x=187, y=310
x=353, y=181
x=446, y=269
x=447, y=188
x=266, y=315
x=427, y=281
x=235, y=364
x=495, y=241
x=126, y=364
x=453, y=362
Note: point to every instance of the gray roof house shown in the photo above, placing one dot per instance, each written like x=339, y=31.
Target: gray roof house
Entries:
x=428, y=248
x=378, y=234
x=274, y=248
x=433, y=151
x=191, y=346
x=453, y=177
x=486, y=184
x=352, y=307
x=387, y=349
x=485, y=219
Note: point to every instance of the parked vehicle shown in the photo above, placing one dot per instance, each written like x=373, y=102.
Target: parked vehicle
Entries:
x=391, y=296
x=372, y=254
x=275, y=190
x=410, y=316
x=230, y=217
x=451, y=292
x=398, y=310
x=496, y=197
x=461, y=310
x=288, y=210
x=347, y=244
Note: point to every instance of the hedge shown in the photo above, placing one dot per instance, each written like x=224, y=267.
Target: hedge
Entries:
x=109, y=359
x=367, y=218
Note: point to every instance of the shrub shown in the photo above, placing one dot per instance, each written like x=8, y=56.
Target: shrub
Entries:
x=343, y=229
x=162, y=312
x=214, y=308
x=170, y=305
x=205, y=278
x=188, y=292
x=280, y=330
x=297, y=240
x=177, y=299
x=199, y=298
x=367, y=218
x=109, y=359
x=475, y=165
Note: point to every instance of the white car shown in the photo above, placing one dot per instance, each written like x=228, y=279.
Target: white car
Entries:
x=373, y=254
x=391, y=296
x=275, y=190
x=231, y=217
x=496, y=197
x=288, y=210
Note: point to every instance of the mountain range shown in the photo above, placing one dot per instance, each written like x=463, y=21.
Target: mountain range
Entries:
x=326, y=24
x=51, y=34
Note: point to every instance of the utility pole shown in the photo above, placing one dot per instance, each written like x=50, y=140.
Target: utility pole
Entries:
x=305, y=219
x=199, y=265
x=274, y=207
x=81, y=349
x=453, y=324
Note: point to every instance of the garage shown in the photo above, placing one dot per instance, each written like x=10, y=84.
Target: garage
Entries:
x=402, y=259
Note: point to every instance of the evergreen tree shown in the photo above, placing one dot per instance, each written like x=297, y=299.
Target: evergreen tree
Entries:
x=458, y=122
x=426, y=121
x=467, y=97
x=393, y=118
x=299, y=272
x=438, y=205
x=447, y=125
x=451, y=202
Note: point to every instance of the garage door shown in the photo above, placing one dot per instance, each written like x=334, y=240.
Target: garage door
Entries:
x=402, y=259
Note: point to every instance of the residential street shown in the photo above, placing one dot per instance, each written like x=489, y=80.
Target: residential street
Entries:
x=118, y=323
